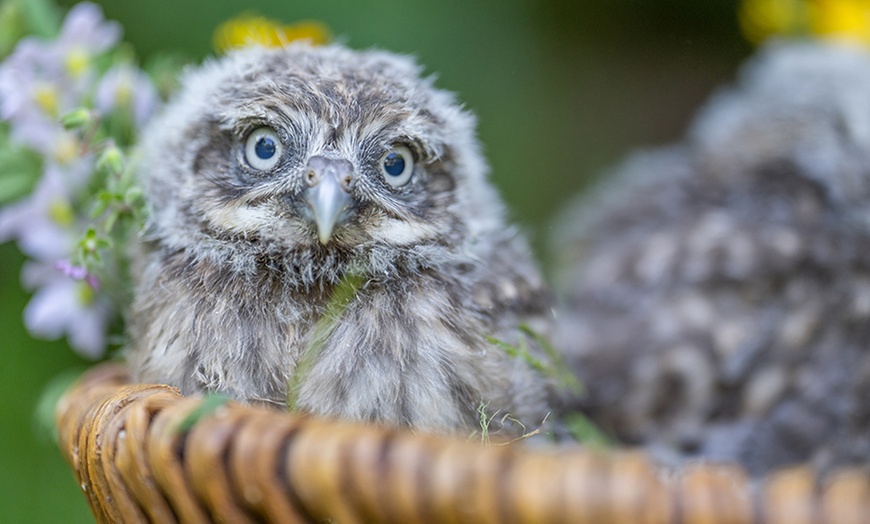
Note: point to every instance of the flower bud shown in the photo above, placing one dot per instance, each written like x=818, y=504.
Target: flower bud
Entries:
x=77, y=119
x=111, y=161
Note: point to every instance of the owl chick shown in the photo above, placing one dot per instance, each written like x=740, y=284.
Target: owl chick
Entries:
x=718, y=291
x=278, y=176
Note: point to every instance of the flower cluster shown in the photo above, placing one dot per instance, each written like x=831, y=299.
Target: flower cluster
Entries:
x=72, y=101
x=834, y=19
x=250, y=29
x=70, y=106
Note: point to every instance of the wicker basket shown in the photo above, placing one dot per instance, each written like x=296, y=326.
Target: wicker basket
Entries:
x=137, y=461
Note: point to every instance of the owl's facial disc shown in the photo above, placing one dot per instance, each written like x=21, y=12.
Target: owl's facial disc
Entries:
x=329, y=181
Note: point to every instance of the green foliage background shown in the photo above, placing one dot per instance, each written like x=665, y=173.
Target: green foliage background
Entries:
x=562, y=88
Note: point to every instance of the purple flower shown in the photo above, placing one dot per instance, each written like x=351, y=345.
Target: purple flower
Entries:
x=85, y=29
x=64, y=301
x=56, y=145
x=32, y=95
x=45, y=226
x=125, y=86
x=77, y=273
x=40, y=81
x=43, y=223
x=20, y=74
x=61, y=306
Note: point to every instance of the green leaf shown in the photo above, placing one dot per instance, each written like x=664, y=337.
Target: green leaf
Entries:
x=12, y=26
x=43, y=416
x=211, y=403
x=19, y=172
x=484, y=421
x=520, y=351
x=101, y=203
x=109, y=222
x=586, y=432
x=133, y=196
x=15, y=185
x=560, y=370
x=342, y=296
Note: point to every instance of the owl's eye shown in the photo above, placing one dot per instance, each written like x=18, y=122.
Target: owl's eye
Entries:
x=397, y=166
x=263, y=149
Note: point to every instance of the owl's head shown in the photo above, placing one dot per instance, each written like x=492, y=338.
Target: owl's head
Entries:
x=322, y=151
x=799, y=115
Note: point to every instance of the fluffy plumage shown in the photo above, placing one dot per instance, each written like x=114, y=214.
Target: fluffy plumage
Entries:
x=718, y=291
x=240, y=265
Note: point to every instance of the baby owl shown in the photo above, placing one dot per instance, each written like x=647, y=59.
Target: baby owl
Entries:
x=718, y=291
x=321, y=217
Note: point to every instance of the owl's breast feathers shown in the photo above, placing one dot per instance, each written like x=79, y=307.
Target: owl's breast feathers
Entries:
x=411, y=346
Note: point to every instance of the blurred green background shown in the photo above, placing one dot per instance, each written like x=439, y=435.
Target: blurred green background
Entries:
x=562, y=89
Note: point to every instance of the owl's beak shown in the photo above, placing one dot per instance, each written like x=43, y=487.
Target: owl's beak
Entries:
x=329, y=181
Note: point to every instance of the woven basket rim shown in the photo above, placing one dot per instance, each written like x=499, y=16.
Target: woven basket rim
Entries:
x=139, y=459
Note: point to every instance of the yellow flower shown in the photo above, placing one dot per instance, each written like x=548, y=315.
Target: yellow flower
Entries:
x=247, y=29
x=760, y=19
x=842, y=19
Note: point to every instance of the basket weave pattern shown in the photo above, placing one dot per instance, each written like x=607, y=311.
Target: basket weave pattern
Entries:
x=136, y=463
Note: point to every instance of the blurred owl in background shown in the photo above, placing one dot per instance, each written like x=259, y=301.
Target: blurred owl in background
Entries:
x=321, y=217
x=717, y=292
